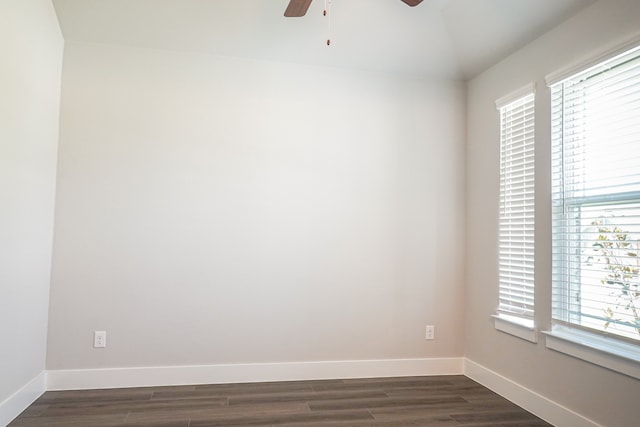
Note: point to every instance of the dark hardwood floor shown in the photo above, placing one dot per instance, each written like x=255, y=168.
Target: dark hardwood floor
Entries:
x=439, y=401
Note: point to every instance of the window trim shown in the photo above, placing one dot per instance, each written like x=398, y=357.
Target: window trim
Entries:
x=515, y=95
x=607, y=351
x=611, y=353
x=516, y=326
x=593, y=61
x=520, y=327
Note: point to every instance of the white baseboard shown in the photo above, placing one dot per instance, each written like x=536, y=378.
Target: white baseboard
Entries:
x=533, y=402
x=79, y=379
x=21, y=399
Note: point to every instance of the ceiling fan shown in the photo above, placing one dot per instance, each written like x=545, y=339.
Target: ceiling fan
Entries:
x=298, y=8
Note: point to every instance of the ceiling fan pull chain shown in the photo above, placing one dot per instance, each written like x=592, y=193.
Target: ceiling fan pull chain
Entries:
x=327, y=11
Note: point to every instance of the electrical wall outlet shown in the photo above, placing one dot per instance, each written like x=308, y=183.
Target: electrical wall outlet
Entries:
x=99, y=339
x=430, y=332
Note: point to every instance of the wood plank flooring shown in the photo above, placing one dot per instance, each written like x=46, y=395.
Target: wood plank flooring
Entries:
x=437, y=401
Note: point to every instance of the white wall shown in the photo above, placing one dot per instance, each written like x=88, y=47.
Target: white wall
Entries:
x=604, y=396
x=215, y=210
x=31, y=48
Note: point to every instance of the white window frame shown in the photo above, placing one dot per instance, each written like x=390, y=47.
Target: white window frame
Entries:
x=515, y=313
x=603, y=349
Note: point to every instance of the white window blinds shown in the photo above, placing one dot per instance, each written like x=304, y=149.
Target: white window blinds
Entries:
x=517, y=186
x=596, y=198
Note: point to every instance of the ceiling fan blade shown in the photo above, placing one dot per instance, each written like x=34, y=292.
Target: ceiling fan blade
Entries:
x=412, y=2
x=298, y=8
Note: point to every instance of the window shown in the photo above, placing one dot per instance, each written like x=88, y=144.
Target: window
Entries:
x=596, y=200
x=517, y=209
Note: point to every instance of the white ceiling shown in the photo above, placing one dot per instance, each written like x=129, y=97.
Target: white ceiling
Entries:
x=438, y=38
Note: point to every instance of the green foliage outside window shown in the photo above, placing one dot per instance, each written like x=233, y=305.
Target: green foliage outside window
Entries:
x=620, y=261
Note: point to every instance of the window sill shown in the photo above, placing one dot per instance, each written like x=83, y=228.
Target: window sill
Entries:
x=609, y=353
x=521, y=328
